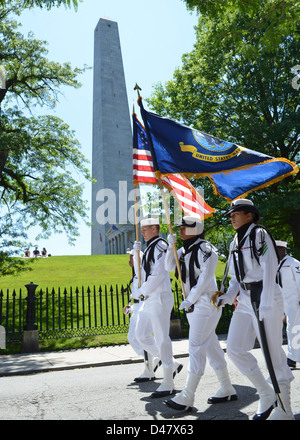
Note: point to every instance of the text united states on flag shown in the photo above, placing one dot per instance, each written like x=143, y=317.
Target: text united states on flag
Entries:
x=188, y=198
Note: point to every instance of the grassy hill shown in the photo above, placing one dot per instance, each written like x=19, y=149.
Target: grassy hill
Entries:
x=76, y=271
x=72, y=271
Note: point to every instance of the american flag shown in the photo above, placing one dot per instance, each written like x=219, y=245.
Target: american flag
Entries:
x=143, y=170
x=186, y=195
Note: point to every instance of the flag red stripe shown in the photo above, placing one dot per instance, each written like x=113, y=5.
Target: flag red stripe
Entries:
x=183, y=181
x=143, y=168
x=142, y=157
x=138, y=179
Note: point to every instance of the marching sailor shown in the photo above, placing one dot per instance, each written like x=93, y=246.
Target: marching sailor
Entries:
x=288, y=278
x=157, y=305
x=198, y=260
x=253, y=268
x=150, y=363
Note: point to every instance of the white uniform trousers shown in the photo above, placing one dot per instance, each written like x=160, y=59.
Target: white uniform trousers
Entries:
x=203, y=341
x=155, y=314
x=242, y=332
x=292, y=311
x=131, y=336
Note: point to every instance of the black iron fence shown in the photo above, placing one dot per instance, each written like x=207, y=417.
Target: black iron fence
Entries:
x=65, y=313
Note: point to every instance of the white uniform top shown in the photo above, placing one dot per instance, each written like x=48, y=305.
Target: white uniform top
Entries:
x=265, y=270
x=158, y=280
x=205, y=274
x=290, y=278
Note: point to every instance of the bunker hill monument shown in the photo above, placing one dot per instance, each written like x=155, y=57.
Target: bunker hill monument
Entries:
x=112, y=233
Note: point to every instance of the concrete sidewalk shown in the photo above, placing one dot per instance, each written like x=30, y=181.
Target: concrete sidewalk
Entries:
x=18, y=364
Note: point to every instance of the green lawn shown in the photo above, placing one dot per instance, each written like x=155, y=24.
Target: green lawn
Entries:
x=77, y=271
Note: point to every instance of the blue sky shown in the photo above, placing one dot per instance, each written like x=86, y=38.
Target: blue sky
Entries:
x=154, y=35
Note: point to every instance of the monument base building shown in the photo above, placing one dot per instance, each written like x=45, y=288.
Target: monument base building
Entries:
x=120, y=238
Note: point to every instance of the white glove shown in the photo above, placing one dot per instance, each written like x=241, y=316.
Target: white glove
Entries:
x=136, y=293
x=264, y=312
x=137, y=246
x=127, y=310
x=221, y=300
x=185, y=305
x=172, y=238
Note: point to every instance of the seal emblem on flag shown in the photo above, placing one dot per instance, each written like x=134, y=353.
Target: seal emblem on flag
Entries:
x=210, y=143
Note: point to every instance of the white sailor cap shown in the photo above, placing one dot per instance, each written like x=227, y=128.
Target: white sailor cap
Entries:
x=242, y=205
x=130, y=251
x=194, y=224
x=280, y=243
x=151, y=221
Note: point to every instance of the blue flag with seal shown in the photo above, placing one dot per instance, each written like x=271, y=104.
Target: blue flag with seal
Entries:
x=233, y=170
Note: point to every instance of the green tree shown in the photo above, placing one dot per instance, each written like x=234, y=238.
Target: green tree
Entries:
x=40, y=158
x=276, y=17
x=48, y=4
x=237, y=84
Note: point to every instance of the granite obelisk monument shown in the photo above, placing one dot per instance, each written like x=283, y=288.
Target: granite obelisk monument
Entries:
x=112, y=233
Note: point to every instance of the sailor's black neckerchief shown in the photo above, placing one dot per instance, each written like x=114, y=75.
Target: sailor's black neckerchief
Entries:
x=190, y=245
x=151, y=240
x=148, y=256
x=242, y=231
x=239, y=265
x=189, y=242
x=278, y=275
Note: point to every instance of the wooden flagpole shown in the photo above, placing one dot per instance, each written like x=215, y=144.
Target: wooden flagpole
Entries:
x=171, y=232
x=137, y=234
x=137, y=237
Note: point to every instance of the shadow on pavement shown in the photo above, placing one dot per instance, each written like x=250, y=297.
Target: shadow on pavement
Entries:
x=222, y=411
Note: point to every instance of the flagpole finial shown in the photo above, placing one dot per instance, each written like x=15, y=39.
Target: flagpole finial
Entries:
x=137, y=87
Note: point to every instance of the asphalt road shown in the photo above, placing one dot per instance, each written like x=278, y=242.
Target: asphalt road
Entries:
x=109, y=394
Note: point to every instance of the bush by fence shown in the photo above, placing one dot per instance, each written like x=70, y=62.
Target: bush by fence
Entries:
x=64, y=313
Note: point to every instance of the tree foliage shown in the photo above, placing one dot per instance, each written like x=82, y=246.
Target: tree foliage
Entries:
x=47, y=4
x=269, y=14
x=236, y=84
x=40, y=157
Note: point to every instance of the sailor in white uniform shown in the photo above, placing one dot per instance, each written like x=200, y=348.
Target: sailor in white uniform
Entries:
x=150, y=363
x=198, y=259
x=288, y=278
x=253, y=268
x=157, y=305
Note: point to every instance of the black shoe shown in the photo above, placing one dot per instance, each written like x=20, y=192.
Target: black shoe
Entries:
x=213, y=400
x=291, y=364
x=176, y=406
x=143, y=379
x=157, y=394
x=264, y=415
